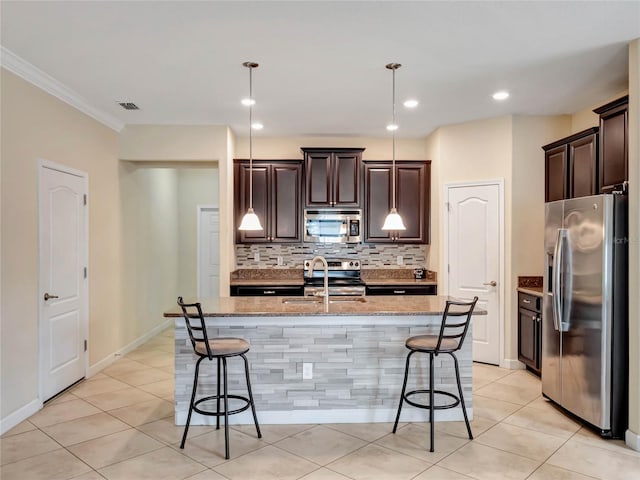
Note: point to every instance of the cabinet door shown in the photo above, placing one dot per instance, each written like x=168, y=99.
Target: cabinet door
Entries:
x=286, y=212
x=583, y=158
x=613, y=162
x=527, y=337
x=261, y=194
x=346, y=179
x=377, y=201
x=556, y=174
x=412, y=201
x=318, y=166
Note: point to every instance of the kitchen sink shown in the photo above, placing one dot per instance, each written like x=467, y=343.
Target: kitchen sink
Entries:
x=302, y=300
x=346, y=299
x=336, y=299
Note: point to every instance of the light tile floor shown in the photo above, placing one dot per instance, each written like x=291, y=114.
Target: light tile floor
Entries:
x=119, y=425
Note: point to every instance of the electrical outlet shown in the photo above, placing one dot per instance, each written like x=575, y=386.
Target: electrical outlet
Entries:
x=256, y=256
x=280, y=260
x=307, y=371
x=400, y=260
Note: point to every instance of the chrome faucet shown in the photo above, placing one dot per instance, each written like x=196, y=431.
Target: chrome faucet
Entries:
x=325, y=265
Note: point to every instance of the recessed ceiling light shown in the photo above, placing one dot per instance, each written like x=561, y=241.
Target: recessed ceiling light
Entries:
x=411, y=103
x=257, y=126
x=501, y=95
x=248, y=101
x=392, y=127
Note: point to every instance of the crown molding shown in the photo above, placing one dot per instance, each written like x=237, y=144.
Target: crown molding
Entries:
x=42, y=80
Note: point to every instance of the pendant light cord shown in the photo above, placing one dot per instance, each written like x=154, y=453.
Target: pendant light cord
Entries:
x=393, y=143
x=250, y=138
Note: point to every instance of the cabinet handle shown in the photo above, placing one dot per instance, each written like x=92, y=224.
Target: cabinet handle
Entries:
x=538, y=319
x=526, y=301
x=268, y=292
x=399, y=292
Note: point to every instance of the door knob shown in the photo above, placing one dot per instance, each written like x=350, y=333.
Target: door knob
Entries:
x=492, y=283
x=47, y=296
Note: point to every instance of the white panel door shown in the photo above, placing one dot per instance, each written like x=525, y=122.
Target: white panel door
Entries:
x=208, y=252
x=474, y=262
x=63, y=293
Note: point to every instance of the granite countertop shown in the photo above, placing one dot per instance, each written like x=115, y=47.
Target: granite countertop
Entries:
x=380, y=276
x=537, y=291
x=275, y=306
x=531, y=284
x=268, y=282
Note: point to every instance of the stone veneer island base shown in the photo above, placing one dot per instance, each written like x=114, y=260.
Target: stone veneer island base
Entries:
x=356, y=350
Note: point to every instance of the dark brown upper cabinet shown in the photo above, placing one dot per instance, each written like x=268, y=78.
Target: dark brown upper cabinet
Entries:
x=571, y=166
x=277, y=200
x=413, y=187
x=614, y=150
x=332, y=176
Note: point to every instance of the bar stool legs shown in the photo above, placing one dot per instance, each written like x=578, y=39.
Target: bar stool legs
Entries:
x=192, y=403
x=222, y=381
x=432, y=391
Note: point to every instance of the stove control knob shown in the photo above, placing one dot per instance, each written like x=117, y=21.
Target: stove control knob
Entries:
x=357, y=264
x=351, y=264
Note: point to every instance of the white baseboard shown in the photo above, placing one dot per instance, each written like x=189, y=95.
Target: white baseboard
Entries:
x=512, y=364
x=281, y=417
x=111, y=358
x=14, y=418
x=632, y=440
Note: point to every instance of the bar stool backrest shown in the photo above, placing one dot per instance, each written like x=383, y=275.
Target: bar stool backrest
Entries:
x=454, y=326
x=194, y=319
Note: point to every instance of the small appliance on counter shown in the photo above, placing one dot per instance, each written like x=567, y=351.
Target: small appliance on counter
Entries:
x=419, y=273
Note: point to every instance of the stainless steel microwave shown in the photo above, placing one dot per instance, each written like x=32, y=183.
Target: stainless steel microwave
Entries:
x=333, y=226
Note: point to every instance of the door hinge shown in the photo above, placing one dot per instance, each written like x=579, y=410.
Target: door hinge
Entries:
x=84, y=197
x=85, y=345
x=448, y=268
x=448, y=206
x=85, y=272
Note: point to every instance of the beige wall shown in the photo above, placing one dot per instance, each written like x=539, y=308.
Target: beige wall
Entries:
x=585, y=118
x=175, y=144
x=196, y=186
x=150, y=246
x=289, y=147
x=36, y=125
x=634, y=245
x=501, y=148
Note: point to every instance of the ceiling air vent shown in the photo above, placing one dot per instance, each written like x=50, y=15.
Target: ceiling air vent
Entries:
x=128, y=105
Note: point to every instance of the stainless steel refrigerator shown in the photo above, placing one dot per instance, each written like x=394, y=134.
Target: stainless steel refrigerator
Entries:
x=585, y=318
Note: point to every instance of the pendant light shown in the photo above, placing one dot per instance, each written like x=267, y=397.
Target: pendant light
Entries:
x=250, y=221
x=393, y=221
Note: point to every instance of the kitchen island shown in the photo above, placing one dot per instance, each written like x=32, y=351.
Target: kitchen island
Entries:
x=355, y=347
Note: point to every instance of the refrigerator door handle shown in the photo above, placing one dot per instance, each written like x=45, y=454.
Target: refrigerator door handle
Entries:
x=556, y=281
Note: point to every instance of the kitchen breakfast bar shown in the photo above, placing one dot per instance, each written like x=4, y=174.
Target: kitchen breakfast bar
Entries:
x=352, y=353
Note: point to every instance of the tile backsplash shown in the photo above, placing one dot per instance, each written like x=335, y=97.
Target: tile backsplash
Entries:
x=293, y=255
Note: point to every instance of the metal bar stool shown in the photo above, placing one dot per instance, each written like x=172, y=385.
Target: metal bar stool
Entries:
x=220, y=349
x=450, y=339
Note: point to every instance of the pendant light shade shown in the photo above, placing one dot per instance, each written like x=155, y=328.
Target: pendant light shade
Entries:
x=250, y=221
x=393, y=222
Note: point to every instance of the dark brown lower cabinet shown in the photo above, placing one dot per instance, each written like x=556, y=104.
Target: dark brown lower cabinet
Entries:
x=413, y=182
x=530, y=331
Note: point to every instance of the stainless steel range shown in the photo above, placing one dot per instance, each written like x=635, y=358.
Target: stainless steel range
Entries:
x=343, y=277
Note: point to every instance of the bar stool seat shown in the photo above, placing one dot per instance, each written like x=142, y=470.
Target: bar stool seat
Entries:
x=450, y=340
x=223, y=346
x=219, y=349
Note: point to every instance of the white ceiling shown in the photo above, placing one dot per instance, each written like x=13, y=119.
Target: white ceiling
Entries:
x=322, y=63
